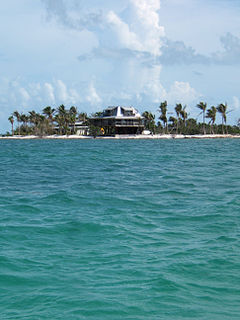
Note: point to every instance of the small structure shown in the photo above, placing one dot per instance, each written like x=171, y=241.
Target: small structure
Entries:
x=119, y=120
x=80, y=128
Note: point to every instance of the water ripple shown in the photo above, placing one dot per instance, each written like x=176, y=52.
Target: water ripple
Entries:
x=120, y=229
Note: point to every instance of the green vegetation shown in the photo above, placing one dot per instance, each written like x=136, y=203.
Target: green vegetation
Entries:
x=50, y=121
x=182, y=124
x=63, y=121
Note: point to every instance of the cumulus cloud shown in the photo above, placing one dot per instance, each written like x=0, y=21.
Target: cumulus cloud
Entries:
x=177, y=53
x=133, y=47
x=62, y=91
x=182, y=92
x=92, y=96
x=127, y=38
x=49, y=92
x=231, y=53
x=24, y=96
x=148, y=25
x=236, y=103
x=152, y=86
x=136, y=26
x=72, y=14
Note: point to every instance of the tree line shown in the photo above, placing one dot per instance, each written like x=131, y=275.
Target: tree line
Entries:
x=50, y=121
x=178, y=121
x=62, y=121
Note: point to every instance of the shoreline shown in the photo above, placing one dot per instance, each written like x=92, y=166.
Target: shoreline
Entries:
x=122, y=137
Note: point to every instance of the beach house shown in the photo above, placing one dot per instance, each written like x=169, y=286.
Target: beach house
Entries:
x=119, y=120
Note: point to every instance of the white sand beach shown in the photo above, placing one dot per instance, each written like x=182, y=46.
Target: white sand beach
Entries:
x=140, y=137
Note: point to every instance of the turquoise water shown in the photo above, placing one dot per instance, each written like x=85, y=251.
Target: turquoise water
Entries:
x=120, y=229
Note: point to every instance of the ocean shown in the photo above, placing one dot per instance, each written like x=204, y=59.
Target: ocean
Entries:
x=120, y=229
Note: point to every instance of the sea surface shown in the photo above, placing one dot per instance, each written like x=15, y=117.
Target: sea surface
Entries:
x=120, y=229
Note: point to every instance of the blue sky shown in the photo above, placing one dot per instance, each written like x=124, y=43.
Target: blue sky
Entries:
x=96, y=53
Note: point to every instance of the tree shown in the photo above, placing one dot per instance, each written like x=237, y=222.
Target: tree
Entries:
x=24, y=119
x=61, y=118
x=149, y=121
x=203, y=106
x=82, y=117
x=73, y=116
x=173, y=121
x=184, y=115
x=41, y=124
x=16, y=114
x=11, y=120
x=211, y=114
x=163, y=115
x=222, y=109
x=49, y=112
x=178, y=110
x=33, y=120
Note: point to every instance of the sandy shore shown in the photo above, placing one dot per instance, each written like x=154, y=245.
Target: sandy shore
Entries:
x=156, y=136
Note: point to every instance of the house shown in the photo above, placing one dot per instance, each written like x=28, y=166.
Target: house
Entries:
x=119, y=120
x=80, y=128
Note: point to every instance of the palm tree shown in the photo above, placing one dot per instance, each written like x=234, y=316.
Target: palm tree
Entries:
x=41, y=124
x=163, y=115
x=11, y=120
x=24, y=119
x=174, y=122
x=49, y=112
x=16, y=114
x=178, y=110
x=203, y=106
x=149, y=120
x=73, y=116
x=33, y=119
x=82, y=116
x=222, y=109
x=184, y=115
x=61, y=118
x=211, y=114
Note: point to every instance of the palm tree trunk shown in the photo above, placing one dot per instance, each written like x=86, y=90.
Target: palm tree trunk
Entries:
x=204, y=128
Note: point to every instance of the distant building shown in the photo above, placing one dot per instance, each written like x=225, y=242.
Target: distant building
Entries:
x=81, y=129
x=119, y=120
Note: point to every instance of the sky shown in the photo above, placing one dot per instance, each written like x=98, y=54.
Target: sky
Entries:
x=97, y=53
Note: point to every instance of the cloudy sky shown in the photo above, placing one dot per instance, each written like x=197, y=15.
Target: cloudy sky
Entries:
x=96, y=53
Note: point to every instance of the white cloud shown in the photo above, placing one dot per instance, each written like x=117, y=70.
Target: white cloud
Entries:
x=74, y=96
x=65, y=95
x=134, y=25
x=140, y=31
x=182, y=92
x=24, y=95
x=49, y=92
x=236, y=103
x=147, y=25
x=152, y=86
x=92, y=96
x=126, y=38
x=62, y=91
